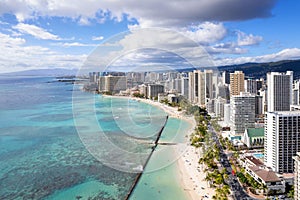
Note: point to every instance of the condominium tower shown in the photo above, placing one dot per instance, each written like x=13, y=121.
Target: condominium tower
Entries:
x=297, y=176
x=282, y=140
x=242, y=112
x=280, y=87
x=237, y=83
x=197, y=87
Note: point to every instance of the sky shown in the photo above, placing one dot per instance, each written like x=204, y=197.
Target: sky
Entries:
x=46, y=34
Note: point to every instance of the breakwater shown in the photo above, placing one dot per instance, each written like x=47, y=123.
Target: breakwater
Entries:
x=145, y=164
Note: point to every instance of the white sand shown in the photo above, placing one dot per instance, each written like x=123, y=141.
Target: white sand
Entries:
x=191, y=172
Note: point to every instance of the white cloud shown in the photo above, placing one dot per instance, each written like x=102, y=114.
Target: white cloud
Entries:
x=97, y=38
x=247, y=40
x=160, y=13
x=141, y=47
x=35, y=31
x=75, y=44
x=206, y=32
x=32, y=57
x=84, y=21
x=8, y=41
x=225, y=48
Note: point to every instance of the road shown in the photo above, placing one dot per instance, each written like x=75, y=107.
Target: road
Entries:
x=238, y=192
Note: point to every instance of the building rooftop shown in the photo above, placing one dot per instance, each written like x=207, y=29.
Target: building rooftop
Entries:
x=286, y=113
x=255, y=132
x=256, y=162
x=265, y=175
x=288, y=175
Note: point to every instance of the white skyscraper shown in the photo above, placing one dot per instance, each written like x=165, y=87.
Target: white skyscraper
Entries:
x=280, y=87
x=282, y=140
x=242, y=114
x=227, y=114
x=219, y=107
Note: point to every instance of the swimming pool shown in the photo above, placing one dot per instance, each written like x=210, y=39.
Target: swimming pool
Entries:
x=258, y=155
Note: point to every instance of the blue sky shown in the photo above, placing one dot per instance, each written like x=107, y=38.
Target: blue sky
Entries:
x=66, y=34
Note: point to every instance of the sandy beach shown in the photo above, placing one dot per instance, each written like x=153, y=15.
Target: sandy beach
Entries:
x=191, y=173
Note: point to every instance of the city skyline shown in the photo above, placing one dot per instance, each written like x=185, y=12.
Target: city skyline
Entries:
x=56, y=35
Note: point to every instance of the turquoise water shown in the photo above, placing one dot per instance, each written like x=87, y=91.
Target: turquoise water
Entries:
x=258, y=155
x=163, y=178
x=54, y=148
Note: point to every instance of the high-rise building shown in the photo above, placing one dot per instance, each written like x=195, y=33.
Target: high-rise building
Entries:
x=251, y=86
x=154, y=90
x=242, y=116
x=208, y=74
x=260, y=83
x=282, y=140
x=296, y=92
x=210, y=106
x=151, y=77
x=263, y=94
x=223, y=91
x=185, y=87
x=227, y=112
x=237, y=83
x=297, y=176
x=225, y=77
x=258, y=105
x=197, y=87
x=219, y=107
x=144, y=90
x=115, y=83
x=94, y=76
x=279, y=91
x=177, y=84
x=101, y=83
x=191, y=87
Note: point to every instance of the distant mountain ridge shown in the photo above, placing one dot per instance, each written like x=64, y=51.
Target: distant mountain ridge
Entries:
x=255, y=70
x=44, y=72
x=258, y=70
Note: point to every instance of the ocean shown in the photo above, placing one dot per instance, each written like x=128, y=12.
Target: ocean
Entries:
x=58, y=142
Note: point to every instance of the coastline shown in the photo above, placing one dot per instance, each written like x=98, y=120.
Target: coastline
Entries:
x=190, y=173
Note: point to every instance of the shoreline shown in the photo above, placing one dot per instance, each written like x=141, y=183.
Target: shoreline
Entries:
x=190, y=173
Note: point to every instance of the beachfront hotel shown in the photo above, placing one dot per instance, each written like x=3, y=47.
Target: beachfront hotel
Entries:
x=112, y=83
x=154, y=90
x=282, y=140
